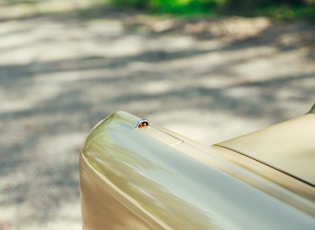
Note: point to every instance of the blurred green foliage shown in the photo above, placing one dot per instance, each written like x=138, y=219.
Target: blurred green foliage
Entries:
x=172, y=6
x=279, y=9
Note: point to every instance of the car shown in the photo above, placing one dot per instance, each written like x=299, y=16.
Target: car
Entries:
x=137, y=175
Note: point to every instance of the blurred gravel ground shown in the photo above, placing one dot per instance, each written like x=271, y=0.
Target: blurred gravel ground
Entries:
x=64, y=67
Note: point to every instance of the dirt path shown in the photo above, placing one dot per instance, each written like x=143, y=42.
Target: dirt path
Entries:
x=62, y=73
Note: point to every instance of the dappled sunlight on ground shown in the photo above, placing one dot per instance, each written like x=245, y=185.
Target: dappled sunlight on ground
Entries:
x=62, y=73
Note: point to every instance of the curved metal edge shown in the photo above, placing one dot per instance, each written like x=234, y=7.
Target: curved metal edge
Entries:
x=312, y=109
x=164, y=180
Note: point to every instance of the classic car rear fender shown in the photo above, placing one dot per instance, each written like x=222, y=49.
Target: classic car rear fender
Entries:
x=136, y=175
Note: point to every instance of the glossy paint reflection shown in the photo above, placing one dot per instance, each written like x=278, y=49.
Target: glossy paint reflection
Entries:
x=147, y=180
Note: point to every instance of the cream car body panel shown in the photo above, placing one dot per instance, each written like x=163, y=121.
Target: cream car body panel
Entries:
x=136, y=175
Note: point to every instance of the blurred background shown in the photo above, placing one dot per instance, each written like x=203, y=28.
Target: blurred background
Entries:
x=208, y=69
